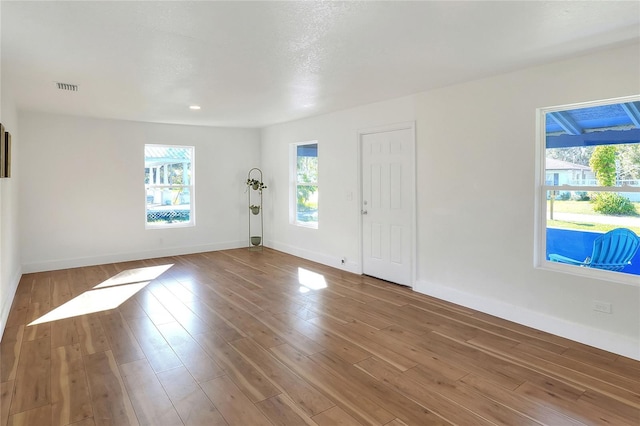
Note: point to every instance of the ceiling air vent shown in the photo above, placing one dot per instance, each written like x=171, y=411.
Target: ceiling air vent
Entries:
x=67, y=86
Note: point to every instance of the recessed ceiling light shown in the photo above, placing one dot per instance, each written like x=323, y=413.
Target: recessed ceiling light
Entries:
x=194, y=107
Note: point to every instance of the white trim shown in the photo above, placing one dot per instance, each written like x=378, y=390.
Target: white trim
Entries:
x=572, y=188
x=407, y=125
x=540, y=199
x=601, y=274
x=171, y=225
x=191, y=186
x=313, y=225
x=51, y=265
x=611, y=342
x=332, y=261
x=588, y=104
x=540, y=190
x=293, y=185
x=7, y=300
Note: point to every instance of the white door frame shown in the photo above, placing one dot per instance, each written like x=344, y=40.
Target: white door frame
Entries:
x=409, y=125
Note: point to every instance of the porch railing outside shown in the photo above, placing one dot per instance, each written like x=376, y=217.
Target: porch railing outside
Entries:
x=594, y=182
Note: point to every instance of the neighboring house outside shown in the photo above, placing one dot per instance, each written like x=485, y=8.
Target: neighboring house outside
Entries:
x=560, y=172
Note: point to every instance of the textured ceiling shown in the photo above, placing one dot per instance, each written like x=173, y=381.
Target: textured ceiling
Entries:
x=252, y=64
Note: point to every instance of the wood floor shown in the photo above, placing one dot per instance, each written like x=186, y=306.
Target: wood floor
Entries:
x=249, y=338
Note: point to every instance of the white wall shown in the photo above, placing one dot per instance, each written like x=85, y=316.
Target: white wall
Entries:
x=339, y=218
x=10, y=267
x=476, y=249
x=82, y=190
x=479, y=138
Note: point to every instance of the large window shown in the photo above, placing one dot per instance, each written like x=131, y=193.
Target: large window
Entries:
x=304, y=184
x=590, y=189
x=169, y=186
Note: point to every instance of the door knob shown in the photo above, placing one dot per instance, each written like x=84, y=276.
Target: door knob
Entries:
x=363, y=212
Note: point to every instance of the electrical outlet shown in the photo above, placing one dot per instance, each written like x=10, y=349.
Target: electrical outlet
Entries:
x=599, y=306
x=343, y=260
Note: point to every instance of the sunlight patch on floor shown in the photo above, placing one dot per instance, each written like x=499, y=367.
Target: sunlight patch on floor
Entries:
x=92, y=301
x=310, y=280
x=107, y=295
x=135, y=275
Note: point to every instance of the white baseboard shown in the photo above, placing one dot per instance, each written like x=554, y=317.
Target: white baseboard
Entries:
x=52, y=265
x=333, y=261
x=611, y=342
x=7, y=300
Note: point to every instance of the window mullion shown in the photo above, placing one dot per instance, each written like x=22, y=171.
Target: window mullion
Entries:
x=568, y=188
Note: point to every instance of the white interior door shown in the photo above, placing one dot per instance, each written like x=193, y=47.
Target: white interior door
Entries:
x=388, y=200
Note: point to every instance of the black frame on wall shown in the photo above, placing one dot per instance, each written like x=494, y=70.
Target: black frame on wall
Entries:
x=5, y=153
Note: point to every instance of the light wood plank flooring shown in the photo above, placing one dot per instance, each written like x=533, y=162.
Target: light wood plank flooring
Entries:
x=244, y=337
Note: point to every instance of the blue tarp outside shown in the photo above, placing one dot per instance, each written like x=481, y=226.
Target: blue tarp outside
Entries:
x=579, y=245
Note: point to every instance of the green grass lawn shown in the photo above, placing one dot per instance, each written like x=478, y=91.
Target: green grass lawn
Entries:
x=584, y=226
x=583, y=207
x=580, y=207
x=570, y=206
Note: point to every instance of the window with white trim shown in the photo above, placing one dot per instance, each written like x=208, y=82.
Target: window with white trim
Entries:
x=589, y=186
x=169, y=186
x=304, y=184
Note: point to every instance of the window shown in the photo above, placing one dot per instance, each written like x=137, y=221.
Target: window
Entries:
x=589, y=185
x=304, y=187
x=169, y=188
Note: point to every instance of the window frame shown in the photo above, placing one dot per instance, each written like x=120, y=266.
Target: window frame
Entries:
x=540, y=226
x=190, y=187
x=293, y=185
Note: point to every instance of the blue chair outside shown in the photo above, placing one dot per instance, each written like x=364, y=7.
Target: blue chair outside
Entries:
x=611, y=251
